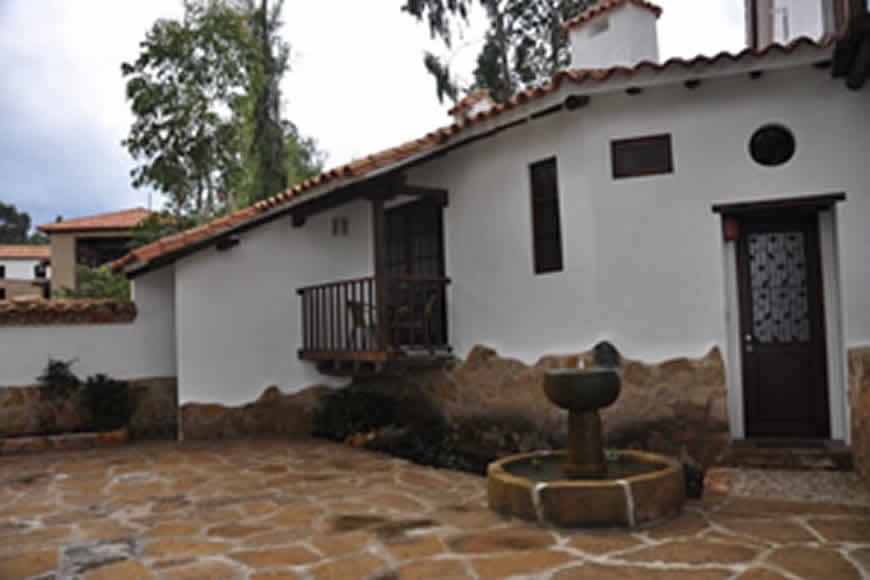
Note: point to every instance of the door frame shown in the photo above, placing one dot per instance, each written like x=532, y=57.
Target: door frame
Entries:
x=838, y=400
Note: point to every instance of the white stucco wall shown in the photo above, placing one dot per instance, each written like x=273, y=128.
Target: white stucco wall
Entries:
x=19, y=269
x=238, y=312
x=643, y=256
x=142, y=349
x=630, y=37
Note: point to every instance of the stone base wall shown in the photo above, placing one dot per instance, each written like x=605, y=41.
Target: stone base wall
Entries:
x=273, y=415
x=676, y=407
x=859, y=401
x=24, y=412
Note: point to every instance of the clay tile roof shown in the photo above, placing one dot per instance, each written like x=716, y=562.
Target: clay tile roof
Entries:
x=21, y=312
x=605, y=6
x=117, y=220
x=23, y=252
x=469, y=100
x=365, y=165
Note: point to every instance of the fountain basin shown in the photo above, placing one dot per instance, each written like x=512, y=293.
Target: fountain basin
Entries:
x=645, y=488
x=582, y=390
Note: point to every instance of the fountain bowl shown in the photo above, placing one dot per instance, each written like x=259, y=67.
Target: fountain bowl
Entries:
x=644, y=489
x=582, y=390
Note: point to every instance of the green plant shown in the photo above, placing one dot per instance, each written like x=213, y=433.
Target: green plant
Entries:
x=57, y=381
x=349, y=411
x=107, y=401
x=96, y=283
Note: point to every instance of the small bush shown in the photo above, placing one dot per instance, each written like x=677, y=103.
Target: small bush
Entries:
x=107, y=401
x=57, y=381
x=349, y=411
x=96, y=283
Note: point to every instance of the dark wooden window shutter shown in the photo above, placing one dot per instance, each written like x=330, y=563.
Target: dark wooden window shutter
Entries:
x=546, y=228
x=643, y=156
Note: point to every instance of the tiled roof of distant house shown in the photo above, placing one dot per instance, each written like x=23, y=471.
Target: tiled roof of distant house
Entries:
x=117, y=220
x=25, y=252
x=176, y=244
x=606, y=6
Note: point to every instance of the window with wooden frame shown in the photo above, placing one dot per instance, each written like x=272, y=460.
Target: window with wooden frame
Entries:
x=642, y=156
x=546, y=227
x=2, y=272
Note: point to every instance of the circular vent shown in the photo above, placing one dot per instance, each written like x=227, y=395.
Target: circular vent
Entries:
x=772, y=145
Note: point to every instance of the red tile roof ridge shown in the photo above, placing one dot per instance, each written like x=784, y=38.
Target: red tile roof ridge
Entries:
x=605, y=6
x=432, y=139
x=24, y=251
x=124, y=219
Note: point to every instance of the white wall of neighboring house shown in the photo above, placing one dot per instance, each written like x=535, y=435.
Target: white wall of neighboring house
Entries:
x=19, y=269
x=238, y=314
x=144, y=348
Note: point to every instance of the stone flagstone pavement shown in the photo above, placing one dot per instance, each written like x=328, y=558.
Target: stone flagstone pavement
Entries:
x=273, y=510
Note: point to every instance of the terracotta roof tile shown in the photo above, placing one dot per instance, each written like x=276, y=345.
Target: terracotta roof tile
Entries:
x=117, y=220
x=432, y=140
x=57, y=312
x=25, y=252
x=605, y=6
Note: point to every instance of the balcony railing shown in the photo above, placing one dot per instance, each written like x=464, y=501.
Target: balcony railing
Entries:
x=342, y=319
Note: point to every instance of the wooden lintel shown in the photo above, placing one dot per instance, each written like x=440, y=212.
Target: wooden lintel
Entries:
x=435, y=194
x=361, y=356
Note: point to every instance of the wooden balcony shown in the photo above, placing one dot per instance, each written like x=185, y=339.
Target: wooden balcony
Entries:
x=363, y=326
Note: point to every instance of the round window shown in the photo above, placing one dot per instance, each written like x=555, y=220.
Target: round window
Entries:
x=772, y=145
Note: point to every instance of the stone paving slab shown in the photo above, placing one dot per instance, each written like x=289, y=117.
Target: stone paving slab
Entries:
x=316, y=510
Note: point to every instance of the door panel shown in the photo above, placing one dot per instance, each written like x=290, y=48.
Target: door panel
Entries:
x=782, y=326
x=415, y=245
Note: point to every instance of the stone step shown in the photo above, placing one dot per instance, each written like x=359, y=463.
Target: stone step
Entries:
x=792, y=454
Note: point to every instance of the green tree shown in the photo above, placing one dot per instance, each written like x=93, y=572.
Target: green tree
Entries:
x=186, y=90
x=96, y=283
x=524, y=44
x=205, y=92
x=158, y=225
x=14, y=224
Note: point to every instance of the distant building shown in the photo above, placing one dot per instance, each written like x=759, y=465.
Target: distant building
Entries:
x=24, y=271
x=91, y=241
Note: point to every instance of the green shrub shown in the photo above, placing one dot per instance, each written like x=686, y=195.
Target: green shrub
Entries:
x=96, y=283
x=57, y=381
x=349, y=411
x=108, y=402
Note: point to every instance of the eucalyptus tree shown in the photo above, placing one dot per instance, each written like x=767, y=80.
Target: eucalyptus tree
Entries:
x=524, y=44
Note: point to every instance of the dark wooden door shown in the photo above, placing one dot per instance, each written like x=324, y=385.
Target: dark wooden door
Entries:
x=415, y=247
x=785, y=386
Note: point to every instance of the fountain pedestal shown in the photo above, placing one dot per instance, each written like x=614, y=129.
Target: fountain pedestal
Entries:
x=585, y=452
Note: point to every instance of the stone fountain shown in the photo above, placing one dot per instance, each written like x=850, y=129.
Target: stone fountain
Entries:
x=586, y=485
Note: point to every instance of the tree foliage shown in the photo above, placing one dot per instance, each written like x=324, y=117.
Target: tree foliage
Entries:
x=15, y=227
x=524, y=44
x=204, y=91
x=96, y=283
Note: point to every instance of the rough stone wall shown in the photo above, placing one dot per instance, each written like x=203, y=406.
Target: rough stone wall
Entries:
x=23, y=411
x=273, y=415
x=674, y=407
x=859, y=401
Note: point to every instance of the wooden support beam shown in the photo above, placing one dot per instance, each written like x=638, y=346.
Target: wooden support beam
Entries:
x=379, y=250
x=692, y=84
x=435, y=194
x=860, y=66
x=574, y=102
x=633, y=91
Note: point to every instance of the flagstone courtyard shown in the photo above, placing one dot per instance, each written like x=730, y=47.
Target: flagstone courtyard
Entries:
x=313, y=509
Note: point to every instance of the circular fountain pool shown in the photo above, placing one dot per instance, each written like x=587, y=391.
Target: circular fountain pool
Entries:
x=635, y=488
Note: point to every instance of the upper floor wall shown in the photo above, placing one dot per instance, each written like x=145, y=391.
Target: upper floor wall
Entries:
x=643, y=256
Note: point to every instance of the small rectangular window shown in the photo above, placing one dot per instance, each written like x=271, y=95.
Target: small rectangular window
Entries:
x=546, y=228
x=2, y=271
x=2, y=293
x=39, y=271
x=642, y=156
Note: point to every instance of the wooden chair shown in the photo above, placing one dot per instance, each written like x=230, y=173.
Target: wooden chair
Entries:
x=363, y=331
x=407, y=319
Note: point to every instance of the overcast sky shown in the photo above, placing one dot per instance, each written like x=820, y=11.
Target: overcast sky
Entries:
x=357, y=86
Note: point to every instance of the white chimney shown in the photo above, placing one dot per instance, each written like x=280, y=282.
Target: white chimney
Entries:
x=614, y=33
